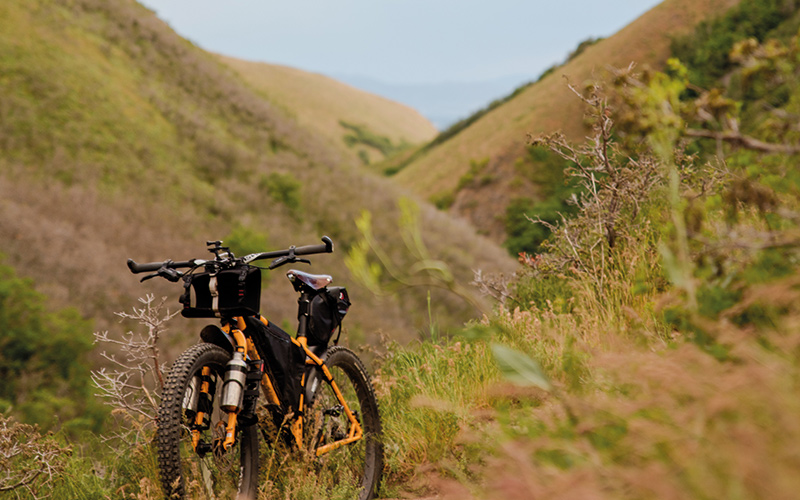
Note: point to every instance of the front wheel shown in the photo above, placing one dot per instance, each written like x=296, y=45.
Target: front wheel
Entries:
x=191, y=459
x=353, y=470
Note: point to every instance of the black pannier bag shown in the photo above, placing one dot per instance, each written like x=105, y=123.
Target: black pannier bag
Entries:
x=230, y=292
x=325, y=313
x=284, y=360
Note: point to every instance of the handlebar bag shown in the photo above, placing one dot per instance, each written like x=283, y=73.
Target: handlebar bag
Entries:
x=325, y=313
x=226, y=293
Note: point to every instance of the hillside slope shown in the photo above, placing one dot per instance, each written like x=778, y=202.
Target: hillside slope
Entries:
x=498, y=138
x=320, y=104
x=120, y=139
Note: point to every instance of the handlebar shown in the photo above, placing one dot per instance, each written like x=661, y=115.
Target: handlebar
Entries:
x=326, y=247
x=137, y=268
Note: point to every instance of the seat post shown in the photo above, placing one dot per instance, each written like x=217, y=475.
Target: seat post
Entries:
x=303, y=307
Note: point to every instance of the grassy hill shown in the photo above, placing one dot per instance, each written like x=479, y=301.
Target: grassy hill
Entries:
x=494, y=144
x=652, y=350
x=120, y=139
x=330, y=109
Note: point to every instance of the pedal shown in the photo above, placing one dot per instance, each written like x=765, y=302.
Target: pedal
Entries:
x=334, y=411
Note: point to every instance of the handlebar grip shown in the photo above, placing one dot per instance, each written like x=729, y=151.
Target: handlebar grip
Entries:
x=137, y=268
x=327, y=247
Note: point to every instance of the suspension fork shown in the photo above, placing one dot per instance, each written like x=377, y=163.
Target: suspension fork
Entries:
x=241, y=347
x=204, y=396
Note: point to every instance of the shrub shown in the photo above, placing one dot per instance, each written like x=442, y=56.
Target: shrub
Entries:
x=44, y=359
x=284, y=189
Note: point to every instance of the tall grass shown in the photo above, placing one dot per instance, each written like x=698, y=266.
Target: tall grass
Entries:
x=658, y=387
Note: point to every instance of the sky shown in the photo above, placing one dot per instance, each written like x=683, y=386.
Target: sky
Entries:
x=400, y=41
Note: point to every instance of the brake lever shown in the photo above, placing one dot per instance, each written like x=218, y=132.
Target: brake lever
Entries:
x=286, y=259
x=278, y=262
x=149, y=276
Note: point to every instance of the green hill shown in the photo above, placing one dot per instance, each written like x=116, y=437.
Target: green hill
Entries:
x=650, y=351
x=333, y=111
x=120, y=139
x=495, y=144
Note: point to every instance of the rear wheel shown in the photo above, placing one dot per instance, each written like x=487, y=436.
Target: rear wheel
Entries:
x=353, y=470
x=206, y=470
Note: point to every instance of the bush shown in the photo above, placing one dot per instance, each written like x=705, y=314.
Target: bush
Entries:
x=284, y=189
x=44, y=359
x=706, y=50
x=546, y=171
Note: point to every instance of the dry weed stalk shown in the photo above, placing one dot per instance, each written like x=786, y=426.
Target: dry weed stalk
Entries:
x=29, y=462
x=423, y=270
x=133, y=385
x=496, y=286
x=613, y=189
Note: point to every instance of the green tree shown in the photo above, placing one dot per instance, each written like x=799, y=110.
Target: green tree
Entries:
x=43, y=359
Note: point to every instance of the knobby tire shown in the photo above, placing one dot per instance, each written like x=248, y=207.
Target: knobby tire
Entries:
x=183, y=472
x=360, y=463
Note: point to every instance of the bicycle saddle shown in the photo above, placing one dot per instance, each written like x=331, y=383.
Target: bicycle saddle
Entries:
x=314, y=281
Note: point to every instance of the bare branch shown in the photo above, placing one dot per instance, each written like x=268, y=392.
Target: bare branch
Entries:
x=495, y=286
x=132, y=383
x=29, y=462
x=746, y=141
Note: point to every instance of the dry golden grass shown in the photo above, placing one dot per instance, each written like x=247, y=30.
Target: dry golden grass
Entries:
x=547, y=106
x=318, y=103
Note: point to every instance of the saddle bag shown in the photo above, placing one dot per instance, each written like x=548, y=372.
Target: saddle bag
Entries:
x=226, y=293
x=325, y=313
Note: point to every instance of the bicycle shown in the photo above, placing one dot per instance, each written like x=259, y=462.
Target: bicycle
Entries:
x=247, y=377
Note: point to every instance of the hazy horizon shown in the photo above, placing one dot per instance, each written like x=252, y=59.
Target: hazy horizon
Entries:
x=390, y=47
x=410, y=42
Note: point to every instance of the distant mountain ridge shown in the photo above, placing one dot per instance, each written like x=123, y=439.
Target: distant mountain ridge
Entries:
x=442, y=103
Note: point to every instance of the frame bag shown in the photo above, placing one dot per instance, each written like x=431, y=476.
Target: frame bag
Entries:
x=284, y=360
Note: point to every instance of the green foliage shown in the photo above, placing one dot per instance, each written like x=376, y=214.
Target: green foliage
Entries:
x=444, y=200
x=379, y=271
x=706, y=50
x=534, y=291
x=43, y=359
x=519, y=368
x=426, y=392
x=475, y=176
x=524, y=235
x=360, y=135
x=284, y=189
x=582, y=46
x=547, y=172
x=363, y=156
x=244, y=240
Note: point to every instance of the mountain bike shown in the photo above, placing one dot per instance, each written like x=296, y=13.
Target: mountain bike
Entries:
x=248, y=378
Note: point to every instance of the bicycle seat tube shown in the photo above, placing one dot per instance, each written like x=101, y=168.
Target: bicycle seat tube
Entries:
x=303, y=308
